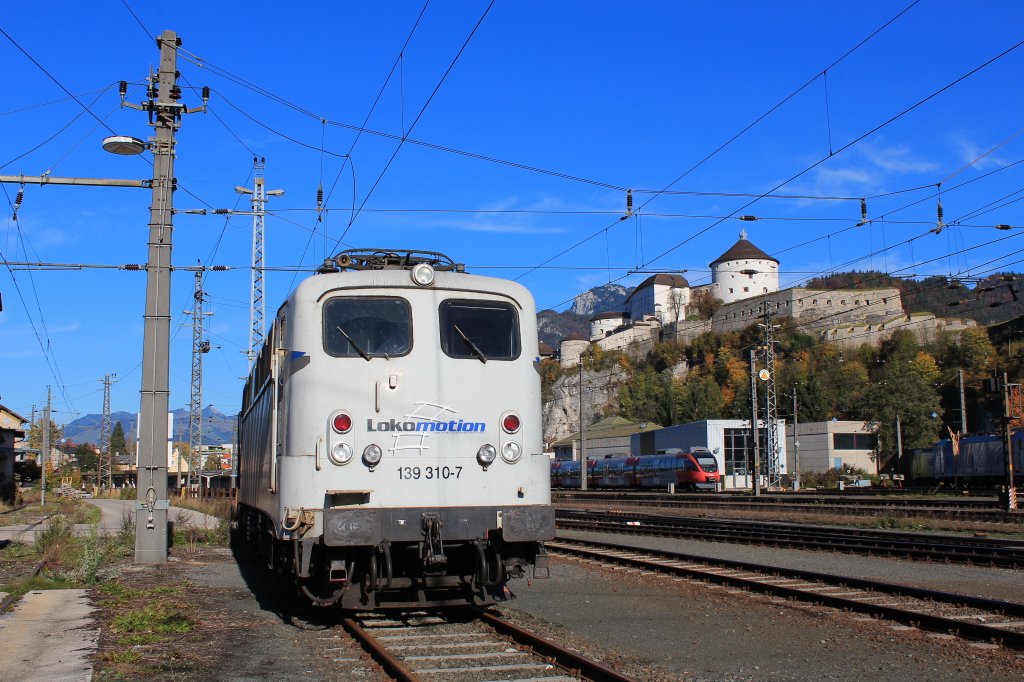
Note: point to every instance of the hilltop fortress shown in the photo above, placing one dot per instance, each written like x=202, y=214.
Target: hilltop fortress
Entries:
x=746, y=279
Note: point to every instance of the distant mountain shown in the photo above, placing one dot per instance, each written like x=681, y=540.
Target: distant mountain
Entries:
x=553, y=326
x=602, y=299
x=218, y=427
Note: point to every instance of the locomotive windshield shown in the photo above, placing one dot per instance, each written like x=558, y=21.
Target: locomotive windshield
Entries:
x=707, y=462
x=367, y=327
x=481, y=330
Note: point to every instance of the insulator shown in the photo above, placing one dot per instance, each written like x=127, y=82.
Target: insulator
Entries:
x=748, y=218
x=17, y=203
x=938, y=212
x=206, y=93
x=131, y=266
x=629, y=201
x=219, y=268
x=122, y=88
x=221, y=211
x=863, y=210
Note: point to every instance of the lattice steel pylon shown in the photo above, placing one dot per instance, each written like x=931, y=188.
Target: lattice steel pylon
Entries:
x=257, y=302
x=771, y=410
x=106, y=462
x=199, y=346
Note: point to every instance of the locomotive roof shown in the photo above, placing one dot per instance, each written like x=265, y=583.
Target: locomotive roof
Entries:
x=314, y=288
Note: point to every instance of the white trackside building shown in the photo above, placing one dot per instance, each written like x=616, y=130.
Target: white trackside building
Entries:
x=390, y=434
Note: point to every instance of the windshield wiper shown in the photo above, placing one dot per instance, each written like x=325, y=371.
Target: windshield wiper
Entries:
x=472, y=346
x=352, y=343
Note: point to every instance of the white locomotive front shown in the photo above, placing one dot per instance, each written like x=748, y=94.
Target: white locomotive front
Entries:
x=390, y=435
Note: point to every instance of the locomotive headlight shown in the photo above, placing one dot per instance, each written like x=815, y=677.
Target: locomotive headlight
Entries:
x=423, y=274
x=372, y=455
x=341, y=453
x=511, y=452
x=486, y=454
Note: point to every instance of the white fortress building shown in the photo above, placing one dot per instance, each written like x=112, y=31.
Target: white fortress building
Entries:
x=742, y=272
x=745, y=279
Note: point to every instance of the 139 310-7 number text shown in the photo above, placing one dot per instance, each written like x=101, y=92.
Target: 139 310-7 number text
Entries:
x=428, y=473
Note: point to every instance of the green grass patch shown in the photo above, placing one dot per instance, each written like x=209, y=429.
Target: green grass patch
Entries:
x=159, y=620
x=889, y=522
x=121, y=591
x=123, y=657
x=20, y=587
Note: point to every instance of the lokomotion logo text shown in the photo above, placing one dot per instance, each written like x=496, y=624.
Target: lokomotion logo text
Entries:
x=432, y=426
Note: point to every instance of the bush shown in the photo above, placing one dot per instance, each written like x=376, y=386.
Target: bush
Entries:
x=831, y=478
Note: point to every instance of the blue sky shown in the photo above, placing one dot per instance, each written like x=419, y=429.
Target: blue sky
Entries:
x=614, y=95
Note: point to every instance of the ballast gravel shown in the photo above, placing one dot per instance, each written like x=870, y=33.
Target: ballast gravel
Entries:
x=650, y=626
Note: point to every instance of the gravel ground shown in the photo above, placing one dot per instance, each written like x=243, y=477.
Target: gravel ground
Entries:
x=996, y=583
x=694, y=631
x=652, y=627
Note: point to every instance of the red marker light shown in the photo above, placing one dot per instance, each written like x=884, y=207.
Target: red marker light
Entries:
x=342, y=423
x=511, y=423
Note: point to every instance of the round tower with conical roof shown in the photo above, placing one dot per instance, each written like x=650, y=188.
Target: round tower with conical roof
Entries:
x=744, y=271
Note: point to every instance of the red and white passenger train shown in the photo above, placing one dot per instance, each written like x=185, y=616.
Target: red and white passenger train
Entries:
x=696, y=469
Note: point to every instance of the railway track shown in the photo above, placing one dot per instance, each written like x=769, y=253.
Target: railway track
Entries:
x=976, y=618
x=966, y=509
x=469, y=645
x=915, y=546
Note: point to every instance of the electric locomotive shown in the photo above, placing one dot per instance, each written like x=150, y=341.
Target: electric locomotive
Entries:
x=390, y=447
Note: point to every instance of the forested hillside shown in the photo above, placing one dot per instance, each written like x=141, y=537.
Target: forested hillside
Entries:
x=709, y=378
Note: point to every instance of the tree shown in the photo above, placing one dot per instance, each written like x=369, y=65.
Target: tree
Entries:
x=677, y=305
x=35, y=434
x=87, y=457
x=905, y=389
x=643, y=396
x=117, y=444
x=699, y=398
x=704, y=303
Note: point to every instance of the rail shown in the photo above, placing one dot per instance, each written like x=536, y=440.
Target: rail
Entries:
x=461, y=643
x=915, y=546
x=977, y=618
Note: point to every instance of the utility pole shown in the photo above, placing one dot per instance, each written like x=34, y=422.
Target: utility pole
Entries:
x=1011, y=490
x=754, y=435
x=899, y=443
x=199, y=347
x=165, y=112
x=963, y=405
x=583, y=436
x=796, y=439
x=257, y=302
x=44, y=447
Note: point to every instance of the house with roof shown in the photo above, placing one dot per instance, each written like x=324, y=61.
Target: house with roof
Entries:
x=663, y=296
x=11, y=431
x=609, y=437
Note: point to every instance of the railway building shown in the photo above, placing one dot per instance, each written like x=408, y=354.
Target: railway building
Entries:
x=831, y=444
x=610, y=437
x=727, y=439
